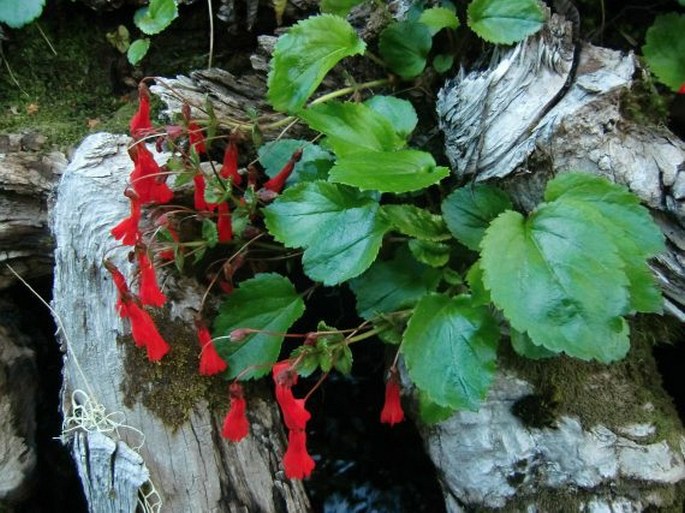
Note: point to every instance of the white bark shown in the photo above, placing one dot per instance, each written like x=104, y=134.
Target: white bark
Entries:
x=192, y=467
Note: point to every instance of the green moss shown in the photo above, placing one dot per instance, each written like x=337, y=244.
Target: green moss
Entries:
x=615, y=395
x=643, y=104
x=172, y=387
x=65, y=95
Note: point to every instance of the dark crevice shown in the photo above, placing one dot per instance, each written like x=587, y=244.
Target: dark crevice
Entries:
x=57, y=488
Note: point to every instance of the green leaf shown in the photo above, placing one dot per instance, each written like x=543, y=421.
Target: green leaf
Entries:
x=339, y=7
x=435, y=254
x=340, y=228
x=505, y=21
x=209, y=233
x=119, y=38
x=398, y=171
x=474, y=277
x=399, y=112
x=558, y=277
x=304, y=55
x=416, y=222
x=450, y=347
x=625, y=221
x=438, y=18
x=393, y=285
x=313, y=165
x=17, y=13
x=469, y=210
x=156, y=16
x=431, y=412
x=342, y=359
x=267, y=302
x=352, y=127
x=137, y=50
x=443, y=62
x=664, y=49
x=404, y=46
x=525, y=347
x=279, y=9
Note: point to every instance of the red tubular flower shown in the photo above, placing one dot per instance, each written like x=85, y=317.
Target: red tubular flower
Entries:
x=236, y=426
x=277, y=183
x=147, y=178
x=196, y=138
x=145, y=332
x=392, y=412
x=297, y=462
x=295, y=415
x=124, y=294
x=199, y=194
x=128, y=230
x=682, y=89
x=149, y=292
x=210, y=361
x=140, y=122
x=223, y=224
x=229, y=168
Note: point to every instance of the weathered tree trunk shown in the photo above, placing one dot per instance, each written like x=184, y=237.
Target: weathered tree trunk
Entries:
x=565, y=435
x=137, y=428
x=27, y=177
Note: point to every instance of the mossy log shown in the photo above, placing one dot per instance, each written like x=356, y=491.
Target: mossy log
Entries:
x=142, y=431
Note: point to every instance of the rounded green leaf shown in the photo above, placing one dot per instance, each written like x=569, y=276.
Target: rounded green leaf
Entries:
x=404, y=46
x=156, y=16
x=352, y=127
x=340, y=228
x=397, y=171
x=430, y=412
x=269, y=303
x=438, y=18
x=393, y=285
x=625, y=221
x=559, y=278
x=416, y=222
x=469, y=210
x=505, y=21
x=304, y=55
x=664, y=49
x=399, y=112
x=443, y=62
x=435, y=254
x=137, y=50
x=450, y=348
x=17, y=13
x=524, y=346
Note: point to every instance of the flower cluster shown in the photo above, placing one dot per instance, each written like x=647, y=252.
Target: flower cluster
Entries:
x=215, y=198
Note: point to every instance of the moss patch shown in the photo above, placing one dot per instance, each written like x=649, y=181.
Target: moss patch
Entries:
x=63, y=95
x=615, y=395
x=172, y=387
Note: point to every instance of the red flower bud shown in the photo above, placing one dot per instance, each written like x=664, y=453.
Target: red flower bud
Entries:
x=210, y=361
x=199, y=193
x=229, y=168
x=295, y=415
x=140, y=124
x=392, y=412
x=128, y=230
x=196, y=138
x=145, y=332
x=223, y=224
x=236, y=427
x=297, y=462
x=149, y=293
x=277, y=183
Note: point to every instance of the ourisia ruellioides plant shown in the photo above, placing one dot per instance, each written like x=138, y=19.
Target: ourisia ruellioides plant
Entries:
x=439, y=281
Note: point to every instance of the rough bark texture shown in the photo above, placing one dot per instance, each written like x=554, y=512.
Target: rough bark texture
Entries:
x=27, y=177
x=18, y=383
x=514, y=124
x=191, y=467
